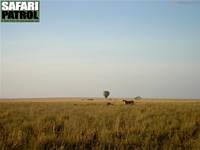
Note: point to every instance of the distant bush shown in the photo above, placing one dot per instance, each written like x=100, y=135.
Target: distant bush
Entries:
x=90, y=99
x=138, y=98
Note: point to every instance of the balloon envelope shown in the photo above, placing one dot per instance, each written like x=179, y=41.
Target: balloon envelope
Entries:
x=106, y=94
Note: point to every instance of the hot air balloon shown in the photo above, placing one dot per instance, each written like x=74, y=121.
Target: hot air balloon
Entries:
x=106, y=94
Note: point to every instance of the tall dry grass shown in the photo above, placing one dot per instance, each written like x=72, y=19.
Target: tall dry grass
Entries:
x=94, y=125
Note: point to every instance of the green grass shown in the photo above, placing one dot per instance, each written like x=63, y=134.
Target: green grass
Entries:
x=82, y=125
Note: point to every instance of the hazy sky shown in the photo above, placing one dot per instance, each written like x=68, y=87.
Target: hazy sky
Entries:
x=80, y=48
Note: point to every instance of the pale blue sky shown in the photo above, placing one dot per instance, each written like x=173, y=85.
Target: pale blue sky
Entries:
x=80, y=48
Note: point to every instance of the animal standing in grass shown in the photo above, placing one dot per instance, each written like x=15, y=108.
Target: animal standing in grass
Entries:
x=109, y=104
x=128, y=102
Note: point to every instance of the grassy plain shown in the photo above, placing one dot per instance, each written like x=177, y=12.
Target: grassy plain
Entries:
x=92, y=124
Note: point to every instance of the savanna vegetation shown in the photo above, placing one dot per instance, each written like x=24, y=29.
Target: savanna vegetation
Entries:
x=84, y=124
